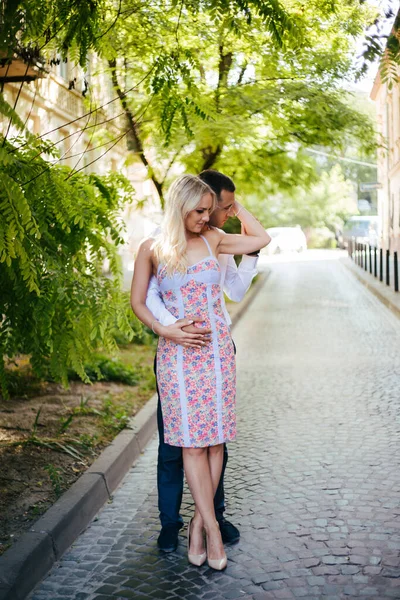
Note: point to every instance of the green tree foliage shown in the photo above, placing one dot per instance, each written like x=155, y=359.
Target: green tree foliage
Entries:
x=238, y=85
x=37, y=28
x=382, y=45
x=56, y=303
x=326, y=204
x=245, y=86
x=231, y=93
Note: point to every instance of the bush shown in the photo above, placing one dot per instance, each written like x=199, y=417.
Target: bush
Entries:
x=56, y=304
x=321, y=237
x=107, y=369
x=137, y=334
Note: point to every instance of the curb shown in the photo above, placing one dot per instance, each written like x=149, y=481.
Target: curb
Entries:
x=28, y=561
x=373, y=286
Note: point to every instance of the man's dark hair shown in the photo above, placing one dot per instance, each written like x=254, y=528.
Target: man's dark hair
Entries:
x=217, y=181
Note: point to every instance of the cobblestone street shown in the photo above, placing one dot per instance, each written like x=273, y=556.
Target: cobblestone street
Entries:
x=313, y=481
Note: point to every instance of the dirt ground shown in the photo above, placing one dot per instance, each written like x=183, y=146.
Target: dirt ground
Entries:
x=49, y=436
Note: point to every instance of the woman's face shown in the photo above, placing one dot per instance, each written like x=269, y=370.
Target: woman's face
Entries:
x=199, y=217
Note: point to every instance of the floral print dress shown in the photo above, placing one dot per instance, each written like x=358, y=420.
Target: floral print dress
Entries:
x=197, y=386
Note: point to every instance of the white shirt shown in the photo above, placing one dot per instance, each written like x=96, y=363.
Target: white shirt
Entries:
x=234, y=280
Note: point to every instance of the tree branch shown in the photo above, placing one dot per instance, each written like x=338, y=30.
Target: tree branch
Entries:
x=134, y=131
x=224, y=65
x=113, y=23
x=28, y=64
x=265, y=79
x=241, y=74
x=171, y=162
x=210, y=156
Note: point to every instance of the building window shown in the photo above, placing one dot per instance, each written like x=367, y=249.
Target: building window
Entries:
x=33, y=124
x=64, y=69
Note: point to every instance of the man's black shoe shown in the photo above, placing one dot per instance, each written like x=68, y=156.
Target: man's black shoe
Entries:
x=168, y=539
x=229, y=533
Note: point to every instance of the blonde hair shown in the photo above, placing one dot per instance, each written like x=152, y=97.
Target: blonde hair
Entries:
x=183, y=196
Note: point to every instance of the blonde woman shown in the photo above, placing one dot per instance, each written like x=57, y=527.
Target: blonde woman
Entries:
x=196, y=383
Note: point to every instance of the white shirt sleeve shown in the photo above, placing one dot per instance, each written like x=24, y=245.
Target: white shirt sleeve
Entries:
x=155, y=304
x=238, y=279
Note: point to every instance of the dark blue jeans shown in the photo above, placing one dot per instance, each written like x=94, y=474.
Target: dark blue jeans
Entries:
x=170, y=477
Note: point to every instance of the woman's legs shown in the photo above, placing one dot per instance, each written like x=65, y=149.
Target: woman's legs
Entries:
x=203, y=470
x=215, y=547
x=216, y=459
x=197, y=471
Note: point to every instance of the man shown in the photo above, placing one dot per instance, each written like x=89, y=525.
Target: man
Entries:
x=235, y=281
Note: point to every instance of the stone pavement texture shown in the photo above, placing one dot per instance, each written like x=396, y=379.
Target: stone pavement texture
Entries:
x=313, y=480
x=384, y=292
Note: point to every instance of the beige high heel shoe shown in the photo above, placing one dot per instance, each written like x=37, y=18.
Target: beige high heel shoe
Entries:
x=218, y=564
x=195, y=559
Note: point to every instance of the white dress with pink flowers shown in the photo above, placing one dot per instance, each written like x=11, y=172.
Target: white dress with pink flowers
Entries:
x=197, y=386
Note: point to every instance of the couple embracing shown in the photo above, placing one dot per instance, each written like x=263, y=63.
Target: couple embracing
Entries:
x=177, y=291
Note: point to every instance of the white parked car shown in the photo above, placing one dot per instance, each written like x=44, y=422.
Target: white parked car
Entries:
x=286, y=239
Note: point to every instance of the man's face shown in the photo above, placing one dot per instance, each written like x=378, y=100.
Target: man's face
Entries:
x=224, y=209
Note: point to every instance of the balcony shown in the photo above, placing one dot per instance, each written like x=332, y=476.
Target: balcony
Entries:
x=21, y=66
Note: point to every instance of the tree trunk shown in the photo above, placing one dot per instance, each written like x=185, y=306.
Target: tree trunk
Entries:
x=134, y=131
x=210, y=156
x=224, y=65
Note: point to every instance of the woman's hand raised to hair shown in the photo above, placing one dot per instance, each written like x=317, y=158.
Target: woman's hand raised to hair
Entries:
x=256, y=237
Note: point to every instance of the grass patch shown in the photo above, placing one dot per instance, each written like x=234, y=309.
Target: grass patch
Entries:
x=104, y=368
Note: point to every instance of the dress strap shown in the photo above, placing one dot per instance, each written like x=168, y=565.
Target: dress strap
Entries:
x=207, y=244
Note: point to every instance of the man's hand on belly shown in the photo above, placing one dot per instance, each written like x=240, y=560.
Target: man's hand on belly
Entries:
x=197, y=329
x=185, y=332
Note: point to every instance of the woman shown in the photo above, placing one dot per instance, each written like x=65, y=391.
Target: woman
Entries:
x=196, y=383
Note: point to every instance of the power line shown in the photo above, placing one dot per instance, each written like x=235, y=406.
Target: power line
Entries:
x=90, y=112
x=343, y=158
x=86, y=151
x=79, y=136
x=73, y=172
x=91, y=135
x=28, y=64
x=85, y=128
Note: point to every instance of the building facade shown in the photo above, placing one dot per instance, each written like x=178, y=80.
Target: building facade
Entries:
x=387, y=100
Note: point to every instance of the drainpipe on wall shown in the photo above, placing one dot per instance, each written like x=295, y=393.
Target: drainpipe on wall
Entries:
x=388, y=180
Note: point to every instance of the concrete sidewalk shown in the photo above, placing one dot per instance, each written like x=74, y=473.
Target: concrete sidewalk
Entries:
x=383, y=292
x=313, y=480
